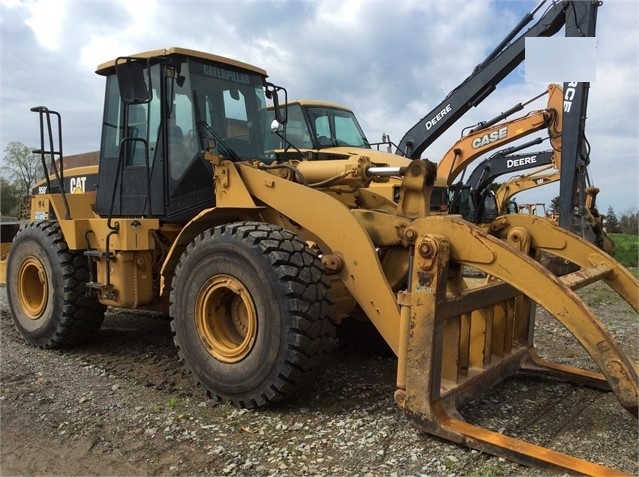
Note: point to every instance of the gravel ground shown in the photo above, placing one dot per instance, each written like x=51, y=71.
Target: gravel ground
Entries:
x=123, y=406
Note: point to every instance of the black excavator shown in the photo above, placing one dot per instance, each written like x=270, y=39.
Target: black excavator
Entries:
x=476, y=190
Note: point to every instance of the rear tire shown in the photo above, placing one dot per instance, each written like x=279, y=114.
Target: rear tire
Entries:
x=46, y=289
x=249, y=307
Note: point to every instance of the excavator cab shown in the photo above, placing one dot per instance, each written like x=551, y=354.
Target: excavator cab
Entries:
x=162, y=109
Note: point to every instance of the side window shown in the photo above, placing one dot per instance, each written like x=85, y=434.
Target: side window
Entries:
x=184, y=119
x=296, y=130
x=138, y=131
x=112, y=126
x=141, y=127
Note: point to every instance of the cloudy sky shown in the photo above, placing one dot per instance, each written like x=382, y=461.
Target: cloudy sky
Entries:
x=390, y=61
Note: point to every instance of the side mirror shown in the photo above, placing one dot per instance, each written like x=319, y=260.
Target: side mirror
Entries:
x=276, y=126
x=131, y=82
x=272, y=92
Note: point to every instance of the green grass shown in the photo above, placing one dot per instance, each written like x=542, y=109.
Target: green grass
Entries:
x=173, y=402
x=627, y=249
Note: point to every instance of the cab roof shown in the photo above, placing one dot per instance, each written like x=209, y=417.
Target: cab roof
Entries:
x=109, y=66
x=319, y=103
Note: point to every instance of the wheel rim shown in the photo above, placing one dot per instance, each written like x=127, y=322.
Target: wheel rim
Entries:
x=33, y=287
x=226, y=318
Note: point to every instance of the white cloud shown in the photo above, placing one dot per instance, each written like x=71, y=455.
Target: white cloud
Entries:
x=342, y=15
x=47, y=20
x=390, y=61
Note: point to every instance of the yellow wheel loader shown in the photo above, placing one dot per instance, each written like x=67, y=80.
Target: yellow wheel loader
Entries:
x=257, y=259
x=322, y=130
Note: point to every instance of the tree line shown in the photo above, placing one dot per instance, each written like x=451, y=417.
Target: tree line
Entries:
x=22, y=169
x=627, y=223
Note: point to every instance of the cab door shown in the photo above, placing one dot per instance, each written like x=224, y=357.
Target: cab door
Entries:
x=131, y=172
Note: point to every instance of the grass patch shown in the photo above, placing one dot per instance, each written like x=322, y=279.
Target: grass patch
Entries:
x=173, y=403
x=487, y=469
x=627, y=247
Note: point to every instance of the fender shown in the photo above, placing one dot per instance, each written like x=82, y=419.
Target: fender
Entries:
x=205, y=220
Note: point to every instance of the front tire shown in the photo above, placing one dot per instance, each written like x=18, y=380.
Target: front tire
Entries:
x=249, y=307
x=46, y=289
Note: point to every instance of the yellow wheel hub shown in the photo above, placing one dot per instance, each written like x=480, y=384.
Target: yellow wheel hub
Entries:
x=226, y=319
x=33, y=287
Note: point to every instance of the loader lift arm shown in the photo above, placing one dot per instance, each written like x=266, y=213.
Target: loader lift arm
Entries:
x=441, y=362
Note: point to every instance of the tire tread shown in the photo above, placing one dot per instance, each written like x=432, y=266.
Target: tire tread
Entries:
x=311, y=334
x=79, y=317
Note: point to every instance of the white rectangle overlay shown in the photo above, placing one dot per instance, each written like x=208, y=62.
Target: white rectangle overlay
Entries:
x=560, y=60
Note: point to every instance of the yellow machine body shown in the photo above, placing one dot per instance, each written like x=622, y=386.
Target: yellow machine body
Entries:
x=383, y=254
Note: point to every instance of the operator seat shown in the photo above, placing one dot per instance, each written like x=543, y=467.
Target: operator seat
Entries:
x=179, y=157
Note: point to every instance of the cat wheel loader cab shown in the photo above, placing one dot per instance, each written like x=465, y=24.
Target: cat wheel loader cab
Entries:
x=157, y=122
x=319, y=125
x=257, y=256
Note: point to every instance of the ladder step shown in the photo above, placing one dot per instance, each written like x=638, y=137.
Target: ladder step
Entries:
x=97, y=253
x=98, y=286
x=95, y=285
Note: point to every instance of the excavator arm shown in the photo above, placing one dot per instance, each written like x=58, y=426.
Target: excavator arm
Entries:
x=478, y=186
x=521, y=183
x=482, y=140
x=579, y=19
x=581, y=23
x=500, y=163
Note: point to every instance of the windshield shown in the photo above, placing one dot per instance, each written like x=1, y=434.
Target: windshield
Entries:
x=335, y=127
x=232, y=103
x=317, y=127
